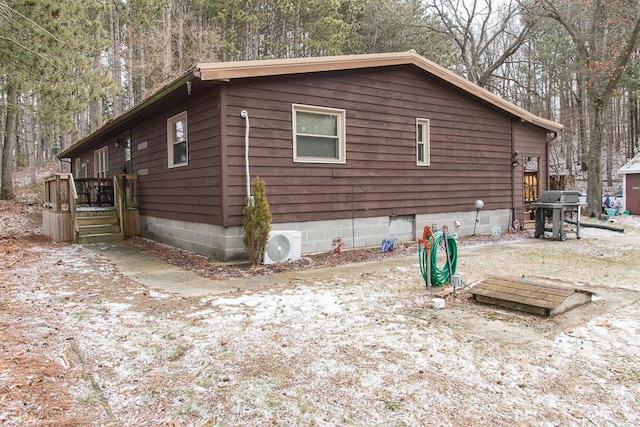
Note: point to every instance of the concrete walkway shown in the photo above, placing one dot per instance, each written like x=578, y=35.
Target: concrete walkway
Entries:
x=151, y=271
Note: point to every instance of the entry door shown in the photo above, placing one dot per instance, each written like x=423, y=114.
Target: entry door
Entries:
x=632, y=194
x=101, y=163
x=530, y=191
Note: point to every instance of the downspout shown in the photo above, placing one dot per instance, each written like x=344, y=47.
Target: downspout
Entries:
x=64, y=160
x=245, y=115
x=513, y=181
x=222, y=123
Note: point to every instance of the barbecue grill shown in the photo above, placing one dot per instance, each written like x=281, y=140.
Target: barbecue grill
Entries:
x=554, y=206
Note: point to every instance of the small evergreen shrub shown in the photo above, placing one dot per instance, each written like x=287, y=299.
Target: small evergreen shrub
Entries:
x=256, y=222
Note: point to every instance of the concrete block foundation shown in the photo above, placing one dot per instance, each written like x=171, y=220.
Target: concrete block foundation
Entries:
x=318, y=236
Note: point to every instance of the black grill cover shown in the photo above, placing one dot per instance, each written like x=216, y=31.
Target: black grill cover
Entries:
x=559, y=196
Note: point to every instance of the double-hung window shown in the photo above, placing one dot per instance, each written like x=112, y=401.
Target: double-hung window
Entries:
x=423, y=145
x=318, y=134
x=177, y=140
x=101, y=162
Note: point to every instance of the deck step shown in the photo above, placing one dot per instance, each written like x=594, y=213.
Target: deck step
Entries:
x=99, y=238
x=103, y=228
x=97, y=225
x=96, y=220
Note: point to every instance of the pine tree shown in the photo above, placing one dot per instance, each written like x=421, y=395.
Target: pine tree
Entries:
x=43, y=47
x=256, y=222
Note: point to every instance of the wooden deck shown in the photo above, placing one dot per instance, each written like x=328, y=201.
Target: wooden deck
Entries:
x=95, y=210
x=529, y=296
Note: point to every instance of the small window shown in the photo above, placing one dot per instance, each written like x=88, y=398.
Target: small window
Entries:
x=423, y=145
x=101, y=163
x=76, y=168
x=177, y=140
x=318, y=134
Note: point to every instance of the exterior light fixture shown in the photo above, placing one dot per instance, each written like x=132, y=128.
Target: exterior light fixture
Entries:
x=514, y=159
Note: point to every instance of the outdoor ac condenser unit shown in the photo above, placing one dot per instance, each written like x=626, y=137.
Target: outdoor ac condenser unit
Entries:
x=283, y=245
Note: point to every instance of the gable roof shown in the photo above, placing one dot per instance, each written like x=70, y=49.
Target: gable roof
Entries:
x=271, y=67
x=226, y=71
x=632, y=166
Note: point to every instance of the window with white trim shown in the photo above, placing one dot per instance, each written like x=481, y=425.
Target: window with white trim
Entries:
x=423, y=143
x=319, y=134
x=177, y=140
x=101, y=162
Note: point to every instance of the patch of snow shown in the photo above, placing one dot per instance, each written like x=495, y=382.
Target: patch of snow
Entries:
x=156, y=294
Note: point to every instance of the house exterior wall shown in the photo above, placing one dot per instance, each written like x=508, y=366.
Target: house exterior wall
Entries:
x=378, y=193
x=173, y=201
x=471, y=146
x=188, y=193
x=529, y=141
x=88, y=167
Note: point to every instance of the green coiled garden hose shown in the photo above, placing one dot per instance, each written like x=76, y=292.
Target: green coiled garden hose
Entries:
x=439, y=276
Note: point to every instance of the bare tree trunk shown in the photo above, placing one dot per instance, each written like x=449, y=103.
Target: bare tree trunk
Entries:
x=116, y=56
x=18, y=153
x=180, y=43
x=567, y=118
x=582, y=124
x=143, y=73
x=6, y=188
x=620, y=134
x=594, y=158
x=3, y=125
x=29, y=137
x=167, y=58
x=634, y=131
x=130, y=73
x=609, y=139
x=95, y=109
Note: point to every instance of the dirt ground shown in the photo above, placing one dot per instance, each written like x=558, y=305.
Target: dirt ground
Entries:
x=83, y=345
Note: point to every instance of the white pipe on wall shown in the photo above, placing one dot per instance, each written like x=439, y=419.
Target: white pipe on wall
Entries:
x=245, y=115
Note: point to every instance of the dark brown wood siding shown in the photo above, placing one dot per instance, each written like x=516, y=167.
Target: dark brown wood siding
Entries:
x=188, y=193
x=471, y=146
x=115, y=157
x=530, y=141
